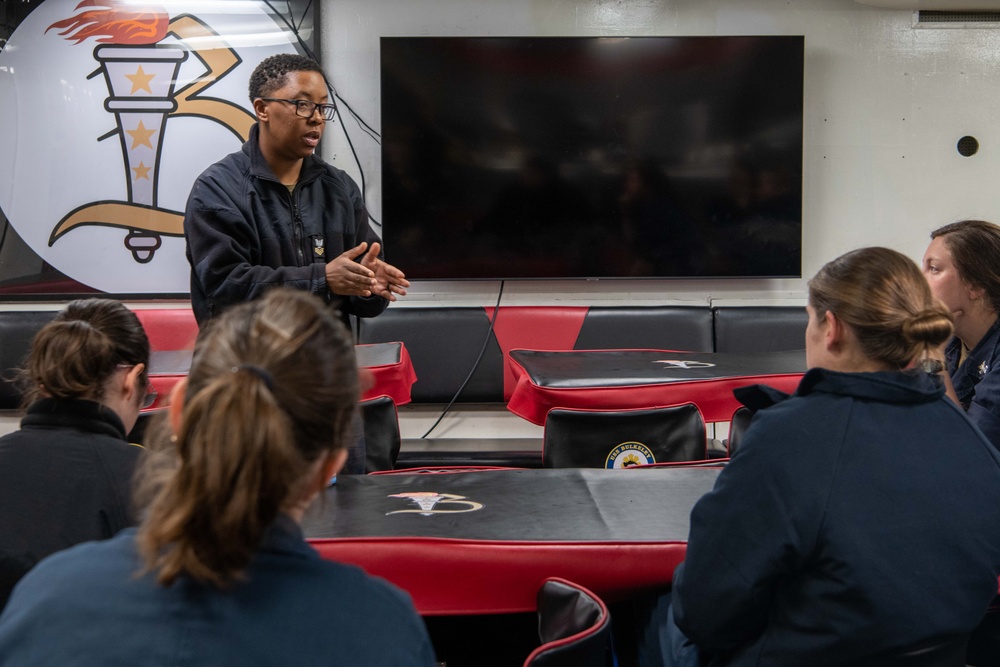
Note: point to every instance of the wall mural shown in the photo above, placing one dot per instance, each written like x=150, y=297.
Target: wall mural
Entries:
x=111, y=109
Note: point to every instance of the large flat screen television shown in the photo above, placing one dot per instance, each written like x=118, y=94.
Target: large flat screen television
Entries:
x=592, y=157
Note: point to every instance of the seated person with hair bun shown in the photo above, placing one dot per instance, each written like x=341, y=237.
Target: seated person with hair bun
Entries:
x=66, y=475
x=858, y=524
x=218, y=571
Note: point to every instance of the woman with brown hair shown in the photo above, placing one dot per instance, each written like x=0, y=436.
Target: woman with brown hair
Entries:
x=857, y=522
x=65, y=476
x=962, y=265
x=218, y=571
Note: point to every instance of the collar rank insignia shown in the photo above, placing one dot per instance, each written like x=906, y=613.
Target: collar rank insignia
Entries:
x=318, y=246
x=983, y=369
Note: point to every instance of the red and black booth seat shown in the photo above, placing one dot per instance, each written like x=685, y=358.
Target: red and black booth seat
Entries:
x=622, y=438
x=751, y=329
x=483, y=542
x=445, y=342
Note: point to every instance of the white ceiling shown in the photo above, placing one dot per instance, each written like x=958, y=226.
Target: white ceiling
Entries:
x=945, y=5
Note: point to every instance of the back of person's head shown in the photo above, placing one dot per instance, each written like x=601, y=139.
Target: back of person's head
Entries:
x=882, y=295
x=75, y=354
x=270, y=74
x=975, y=251
x=272, y=388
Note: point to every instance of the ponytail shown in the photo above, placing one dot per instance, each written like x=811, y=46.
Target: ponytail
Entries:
x=238, y=461
x=272, y=387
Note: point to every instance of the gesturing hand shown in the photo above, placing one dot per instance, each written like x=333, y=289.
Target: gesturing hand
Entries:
x=389, y=280
x=346, y=277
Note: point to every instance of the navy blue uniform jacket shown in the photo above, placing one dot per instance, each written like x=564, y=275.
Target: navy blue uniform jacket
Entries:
x=246, y=233
x=85, y=606
x=858, y=518
x=65, y=478
x=977, y=381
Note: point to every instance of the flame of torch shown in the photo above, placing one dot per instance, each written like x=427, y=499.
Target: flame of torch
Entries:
x=114, y=22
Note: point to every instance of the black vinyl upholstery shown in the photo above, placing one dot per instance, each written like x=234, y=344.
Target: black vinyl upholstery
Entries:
x=687, y=328
x=573, y=625
x=17, y=329
x=738, y=426
x=443, y=344
x=748, y=329
x=382, y=440
x=597, y=438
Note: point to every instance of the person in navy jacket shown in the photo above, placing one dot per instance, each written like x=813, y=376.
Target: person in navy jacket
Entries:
x=962, y=265
x=218, y=571
x=66, y=475
x=857, y=524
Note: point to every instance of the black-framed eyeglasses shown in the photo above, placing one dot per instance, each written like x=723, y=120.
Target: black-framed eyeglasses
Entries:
x=306, y=109
x=150, y=397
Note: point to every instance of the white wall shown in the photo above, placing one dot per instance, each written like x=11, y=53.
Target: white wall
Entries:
x=885, y=104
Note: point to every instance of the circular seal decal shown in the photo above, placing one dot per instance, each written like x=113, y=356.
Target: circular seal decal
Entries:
x=629, y=454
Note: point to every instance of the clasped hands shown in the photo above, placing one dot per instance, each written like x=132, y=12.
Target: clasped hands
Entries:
x=347, y=275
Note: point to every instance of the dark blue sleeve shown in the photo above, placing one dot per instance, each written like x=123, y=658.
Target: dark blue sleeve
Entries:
x=984, y=410
x=752, y=530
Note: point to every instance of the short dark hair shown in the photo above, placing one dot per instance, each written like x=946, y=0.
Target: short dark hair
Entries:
x=270, y=74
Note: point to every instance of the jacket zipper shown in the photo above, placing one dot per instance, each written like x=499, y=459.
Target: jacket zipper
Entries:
x=297, y=227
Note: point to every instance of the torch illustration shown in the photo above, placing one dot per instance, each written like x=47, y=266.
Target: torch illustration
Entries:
x=427, y=500
x=141, y=81
x=141, y=72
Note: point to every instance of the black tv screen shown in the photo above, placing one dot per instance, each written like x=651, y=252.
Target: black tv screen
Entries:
x=592, y=157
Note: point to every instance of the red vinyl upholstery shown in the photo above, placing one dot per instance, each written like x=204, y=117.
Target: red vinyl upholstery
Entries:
x=169, y=328
x=453, y=576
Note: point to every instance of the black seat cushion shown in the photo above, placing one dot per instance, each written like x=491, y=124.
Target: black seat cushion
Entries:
x=573, y=625
x=382, y=440
x=623, y=438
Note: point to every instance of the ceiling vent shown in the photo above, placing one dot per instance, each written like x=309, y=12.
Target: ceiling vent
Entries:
x=956, y=19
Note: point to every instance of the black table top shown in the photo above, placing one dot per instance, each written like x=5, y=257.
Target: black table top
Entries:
x=178, y=362
x=573, y=505
x=378, y=354
x=624, y=368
